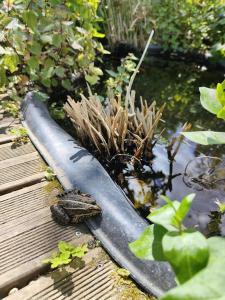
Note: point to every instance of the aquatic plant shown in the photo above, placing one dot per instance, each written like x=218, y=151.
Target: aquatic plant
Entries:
x=198, y=263
x=114, y=128
x=213, y=100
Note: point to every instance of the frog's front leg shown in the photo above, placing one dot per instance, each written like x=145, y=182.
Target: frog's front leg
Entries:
x=60, y=215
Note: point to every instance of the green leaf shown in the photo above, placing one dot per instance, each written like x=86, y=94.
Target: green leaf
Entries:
x=11, y=62
x=65, y=247
x=57, y=40
x=3, y=78
x=60, y=72
x=221, y=113
x=92, y=79
x=206, y=137
x=142, y=247
x=67, y=85
x=183, y=209
x=49, y=174
x=36, y=48
x=209, y=100
x=41, y=96
x=220, y=94
x=157, y=249
x=112, y=73
x=208, y=284
x=79, y=251
x=33, y=63
x=187, y=252
x=30, y=19
x=164, y=216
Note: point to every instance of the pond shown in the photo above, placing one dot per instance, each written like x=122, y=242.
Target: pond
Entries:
x=176, y=83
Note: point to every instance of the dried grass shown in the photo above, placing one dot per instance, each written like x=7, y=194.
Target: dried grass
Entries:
x=115, y=128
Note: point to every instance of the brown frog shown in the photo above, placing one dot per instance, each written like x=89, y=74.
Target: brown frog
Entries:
x=74, y=207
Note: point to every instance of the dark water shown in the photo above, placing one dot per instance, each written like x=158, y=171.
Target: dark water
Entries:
x=176, y=83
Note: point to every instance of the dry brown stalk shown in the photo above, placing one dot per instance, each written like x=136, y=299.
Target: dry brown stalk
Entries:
x=113, y=128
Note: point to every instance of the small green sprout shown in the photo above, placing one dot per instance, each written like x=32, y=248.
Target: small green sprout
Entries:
x=65, y=255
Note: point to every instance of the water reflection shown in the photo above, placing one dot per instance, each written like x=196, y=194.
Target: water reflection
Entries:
x=177, y=84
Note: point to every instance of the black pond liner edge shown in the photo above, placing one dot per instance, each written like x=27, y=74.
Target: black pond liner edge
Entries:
x=119, y=223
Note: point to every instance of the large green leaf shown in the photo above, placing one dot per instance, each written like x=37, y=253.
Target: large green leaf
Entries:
x=187, y=252
x=206, y=137
x=208, y=284
x=209, y=100
x=149, y=244
x=164, y=216
x=142, y=247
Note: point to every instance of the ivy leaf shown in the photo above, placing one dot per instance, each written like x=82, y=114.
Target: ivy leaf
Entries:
x=206, y=137
x=187, y=252
x=209, y=100
x=209, y=282
x=36, y=48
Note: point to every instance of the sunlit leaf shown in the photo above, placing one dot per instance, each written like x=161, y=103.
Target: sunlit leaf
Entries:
x=209, y=100
x=187, y=252
x=206, y=137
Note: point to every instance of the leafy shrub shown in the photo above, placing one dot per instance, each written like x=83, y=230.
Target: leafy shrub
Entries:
x=198, y=263
x=179, y=24
x=46, y=44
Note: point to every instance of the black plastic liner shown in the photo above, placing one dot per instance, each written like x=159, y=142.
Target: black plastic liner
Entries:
x=119, y=223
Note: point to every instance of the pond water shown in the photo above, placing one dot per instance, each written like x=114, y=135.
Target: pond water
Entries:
x=176, y=83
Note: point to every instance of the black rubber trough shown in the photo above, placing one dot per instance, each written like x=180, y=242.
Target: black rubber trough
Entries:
x=75, y=167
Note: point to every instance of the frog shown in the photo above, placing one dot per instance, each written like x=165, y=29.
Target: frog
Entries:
x=74, y=207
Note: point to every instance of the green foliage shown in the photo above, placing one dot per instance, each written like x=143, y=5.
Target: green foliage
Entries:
x=198, y=263
x=207, y=283
x=21, y=136
x=56, y=111
x=118, y=81
x=65, y=255
x=179, y=24
x=45, y=44
x=212, y=100
x=49, y=174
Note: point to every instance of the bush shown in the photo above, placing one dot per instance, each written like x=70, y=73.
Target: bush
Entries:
x=46, y=44
x=180, y=24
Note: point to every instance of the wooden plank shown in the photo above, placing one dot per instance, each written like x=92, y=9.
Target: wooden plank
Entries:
x=23, y=249
x=21, y=183
x=19, y=160
x=92, y=282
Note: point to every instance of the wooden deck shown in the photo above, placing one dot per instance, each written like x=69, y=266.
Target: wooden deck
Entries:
x=28, y=235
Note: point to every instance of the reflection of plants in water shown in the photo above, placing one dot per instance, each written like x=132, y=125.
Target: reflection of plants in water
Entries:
x=176, y=83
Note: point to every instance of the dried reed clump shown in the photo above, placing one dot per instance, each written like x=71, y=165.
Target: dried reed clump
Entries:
x=115, y=128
